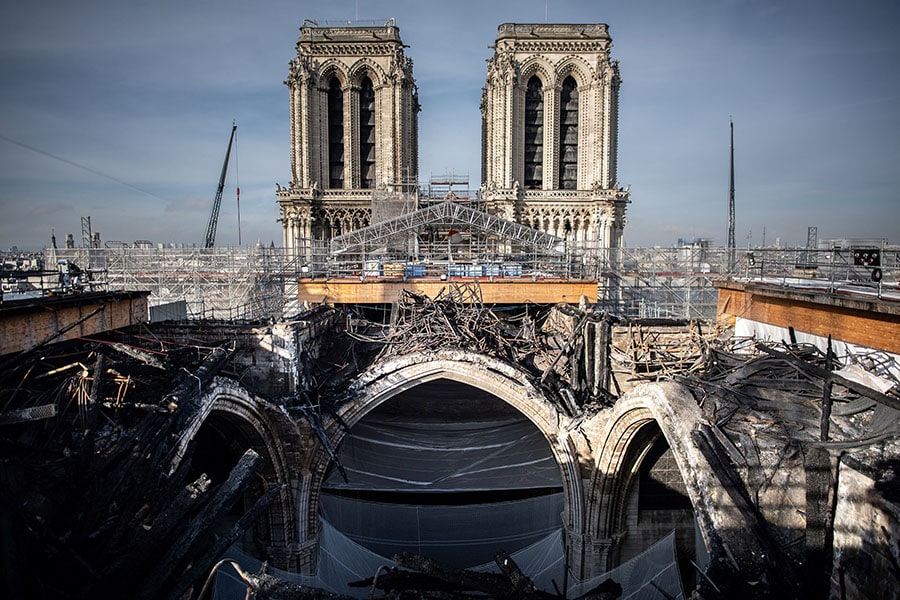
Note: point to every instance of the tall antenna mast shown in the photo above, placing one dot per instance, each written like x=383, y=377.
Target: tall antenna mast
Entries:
x=731, y=243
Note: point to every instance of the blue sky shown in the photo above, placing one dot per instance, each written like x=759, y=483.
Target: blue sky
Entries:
x=121, y=111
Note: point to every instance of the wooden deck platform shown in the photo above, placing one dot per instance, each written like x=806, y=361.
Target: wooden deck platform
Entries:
x=500, y=291
x=863, y=320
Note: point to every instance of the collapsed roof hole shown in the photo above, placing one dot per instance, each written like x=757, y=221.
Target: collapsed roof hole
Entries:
x=447, y=471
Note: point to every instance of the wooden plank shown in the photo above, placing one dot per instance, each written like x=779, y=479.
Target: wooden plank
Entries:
x=509, y=291
x=880, y=330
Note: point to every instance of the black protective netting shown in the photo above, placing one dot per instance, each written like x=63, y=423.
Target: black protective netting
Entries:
x=461, y=536
x=406, y=456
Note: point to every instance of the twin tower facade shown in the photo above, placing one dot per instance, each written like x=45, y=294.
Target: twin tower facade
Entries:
x=549, y=132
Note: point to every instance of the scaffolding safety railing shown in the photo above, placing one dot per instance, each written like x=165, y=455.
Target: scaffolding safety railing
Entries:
x=262, y=282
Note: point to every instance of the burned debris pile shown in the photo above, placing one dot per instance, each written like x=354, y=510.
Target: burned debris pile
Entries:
x=778, y=420
x=648, y=349
x=98, y=491
x=563, y=348
x=456, y=318
x=426, y=578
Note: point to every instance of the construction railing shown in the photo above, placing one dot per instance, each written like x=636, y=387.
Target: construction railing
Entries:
x=261, y=283
x=679, y=282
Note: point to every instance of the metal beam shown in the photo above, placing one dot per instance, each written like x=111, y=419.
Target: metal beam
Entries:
x=450, y=213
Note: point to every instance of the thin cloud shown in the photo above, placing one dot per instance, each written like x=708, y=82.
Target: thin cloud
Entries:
x=147, y=94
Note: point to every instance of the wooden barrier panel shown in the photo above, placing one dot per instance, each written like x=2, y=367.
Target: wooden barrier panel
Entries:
x=499, y=291
x=866, y=322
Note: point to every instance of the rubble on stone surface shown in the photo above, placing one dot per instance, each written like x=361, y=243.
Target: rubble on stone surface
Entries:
x=778, y=418
x=91, y=506
x=90, y=431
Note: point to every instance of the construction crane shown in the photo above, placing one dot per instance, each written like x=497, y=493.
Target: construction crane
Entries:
x=217, y=203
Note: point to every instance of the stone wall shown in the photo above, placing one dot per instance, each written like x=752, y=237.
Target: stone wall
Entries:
x=866, y=534
x=271, y=360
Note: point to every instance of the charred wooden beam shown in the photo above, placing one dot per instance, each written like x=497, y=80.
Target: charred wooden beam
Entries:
x=148, y=358
x=817, y=464
x=430, y=577
x=91, y=410
x=608, y=590
x=522, y=586
x=192, y=386
x=204, y=562
x=148, y=537
x=602, y=354
x=826, y=395
x=267, y=587
x=399, y=582
x=181, y=552
x=489, y=583
x=826, y=375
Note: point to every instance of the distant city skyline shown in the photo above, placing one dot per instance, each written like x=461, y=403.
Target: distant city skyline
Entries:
x=122, y=113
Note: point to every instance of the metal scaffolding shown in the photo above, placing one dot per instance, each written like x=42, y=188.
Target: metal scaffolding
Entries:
x=261, y=283
x=212, y=283
x=445, y=213
x=680, y=282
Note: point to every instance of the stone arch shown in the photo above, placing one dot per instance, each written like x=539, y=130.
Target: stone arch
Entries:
x=575, y=67
x=271, y=434
x=333, y=69
x=366, y=67
x=536, y=65
x=387, y=379
x=637, y=420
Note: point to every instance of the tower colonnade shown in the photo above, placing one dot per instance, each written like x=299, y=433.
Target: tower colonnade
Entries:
x=549, y=132
x=353, y=108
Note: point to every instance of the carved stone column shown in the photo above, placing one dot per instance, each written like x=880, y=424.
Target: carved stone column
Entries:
x=556, y=51
x=588, y=556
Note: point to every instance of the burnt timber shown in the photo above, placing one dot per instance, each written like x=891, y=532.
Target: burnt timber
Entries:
x=109, y=488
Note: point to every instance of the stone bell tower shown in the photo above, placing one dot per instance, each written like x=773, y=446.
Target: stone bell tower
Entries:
x=354, y=130
x=549, y=132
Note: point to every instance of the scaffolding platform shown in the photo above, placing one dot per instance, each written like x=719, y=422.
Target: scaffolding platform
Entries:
x=511, y=291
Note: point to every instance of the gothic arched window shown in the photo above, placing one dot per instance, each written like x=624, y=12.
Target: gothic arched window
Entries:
x=534, y=134
x=568, y=135
x=367, y=133
x=335, y=134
